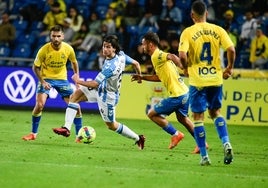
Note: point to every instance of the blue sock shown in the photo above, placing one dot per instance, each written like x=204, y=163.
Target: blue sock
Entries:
x=78, y=124
x=170, y=129
x=35, y=123
x=221, y=127
x=200, y=137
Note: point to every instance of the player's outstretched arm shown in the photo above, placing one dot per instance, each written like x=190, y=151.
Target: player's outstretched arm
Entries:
x=91, y=84
x=137, y=67
x=152, y=78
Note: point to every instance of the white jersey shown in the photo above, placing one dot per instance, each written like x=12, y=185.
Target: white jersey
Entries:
x=110, y=78
x=248, y=29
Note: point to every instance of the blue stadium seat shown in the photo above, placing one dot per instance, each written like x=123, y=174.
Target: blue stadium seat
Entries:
x=183, y=4
x=101, y=11
x=41, y=40
x=22, y=50
x=104, y=2
x=141, y=3
x=146, y=29
x=240, y=19
x=37, y=26
x=20, y=25
x=26, y=38
x=81, y=57
x=132, y=29
x=90, y=62
x=17, y=6
x=69, y=3
x=4, y=52
x=83, y=2
x=83, y=10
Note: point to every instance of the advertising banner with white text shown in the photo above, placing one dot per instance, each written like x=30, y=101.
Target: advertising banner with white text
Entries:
x=245, y=101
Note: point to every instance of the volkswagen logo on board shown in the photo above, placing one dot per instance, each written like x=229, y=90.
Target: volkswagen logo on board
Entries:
x=19, y=86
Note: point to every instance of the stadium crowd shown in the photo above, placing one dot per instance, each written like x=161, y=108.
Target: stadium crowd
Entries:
x=25, y=24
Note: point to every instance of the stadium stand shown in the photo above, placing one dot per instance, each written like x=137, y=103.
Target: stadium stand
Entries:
x=29, y=41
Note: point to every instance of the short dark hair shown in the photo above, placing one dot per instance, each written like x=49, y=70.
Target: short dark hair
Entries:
x=57, y=28
x=113, y=40
x=152, y=37
x=199, y=7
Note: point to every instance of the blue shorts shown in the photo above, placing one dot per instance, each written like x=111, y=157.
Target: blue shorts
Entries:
x=173, y=104
x=206, y=97
x=63, y=87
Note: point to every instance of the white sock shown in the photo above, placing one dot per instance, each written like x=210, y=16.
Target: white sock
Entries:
x=127, y=132
x=70, y=114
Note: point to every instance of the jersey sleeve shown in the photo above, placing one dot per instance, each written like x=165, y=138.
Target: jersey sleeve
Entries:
x=129, y=60
x=40, y=57
x=106, y=73
x=226, y=41
x=72, y=56
x=184, y=43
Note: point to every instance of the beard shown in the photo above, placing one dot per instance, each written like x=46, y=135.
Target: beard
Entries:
x=56, y=44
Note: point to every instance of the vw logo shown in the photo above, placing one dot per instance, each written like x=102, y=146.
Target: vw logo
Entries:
x=19, y=86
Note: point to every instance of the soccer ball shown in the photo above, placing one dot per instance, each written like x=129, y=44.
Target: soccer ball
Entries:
x=86, y=134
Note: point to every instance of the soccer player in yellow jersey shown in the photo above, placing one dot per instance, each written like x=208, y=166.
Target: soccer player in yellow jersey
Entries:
x=50, y=68
x=165, y=65
x=199, y=52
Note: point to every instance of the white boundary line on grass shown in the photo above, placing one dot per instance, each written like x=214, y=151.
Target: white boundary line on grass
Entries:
x=135, y=169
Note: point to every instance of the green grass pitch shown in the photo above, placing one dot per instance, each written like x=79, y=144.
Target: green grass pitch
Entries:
x=114, y=161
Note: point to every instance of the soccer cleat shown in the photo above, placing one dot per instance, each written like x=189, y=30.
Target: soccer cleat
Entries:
x=77, y=140
x=228, y=153
x=175, y=140
x=205, y=161
x=141, y=141
x=197, y=150
x=30, y=136
x=62, y=131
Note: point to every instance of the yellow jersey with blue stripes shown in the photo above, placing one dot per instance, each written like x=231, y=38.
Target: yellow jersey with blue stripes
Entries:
x=202, y=42
x=168, y=73
x=53, y=62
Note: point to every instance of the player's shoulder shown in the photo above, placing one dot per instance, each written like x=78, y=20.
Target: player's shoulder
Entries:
x=121, y=53
x=66, y=45
x=45, y=47
x=216, y=26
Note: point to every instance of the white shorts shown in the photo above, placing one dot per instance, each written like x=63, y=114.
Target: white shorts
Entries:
x=107, y=111
x=91, y=94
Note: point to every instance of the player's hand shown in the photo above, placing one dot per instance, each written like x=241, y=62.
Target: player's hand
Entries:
x=46, y=85
x=185, y=72
x=227, y=73
x=75, y=78
x=136, y=77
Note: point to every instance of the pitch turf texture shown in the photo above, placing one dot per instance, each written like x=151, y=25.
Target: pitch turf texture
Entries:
x=114, y=161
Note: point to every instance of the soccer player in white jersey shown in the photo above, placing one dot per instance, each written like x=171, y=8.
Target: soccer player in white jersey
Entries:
x=105, y=90
x=199, y=52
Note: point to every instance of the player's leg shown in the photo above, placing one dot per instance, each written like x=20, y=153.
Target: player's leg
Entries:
x=197, y=103
x=107, y=112
x=182, y=114
x=82, y=94
x=182, y=117
x=41, y=98
x=214, y=105
x=65, y=90
x=157, y=114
